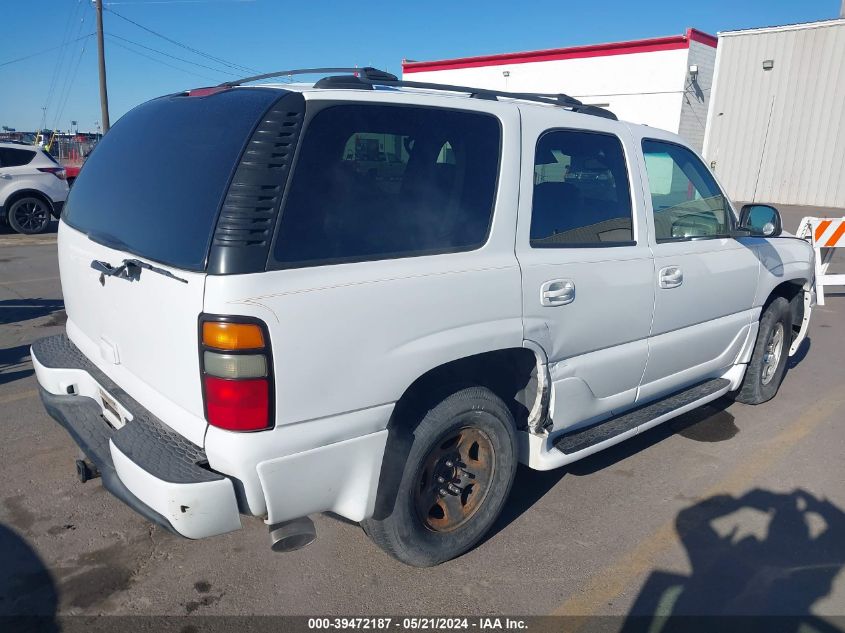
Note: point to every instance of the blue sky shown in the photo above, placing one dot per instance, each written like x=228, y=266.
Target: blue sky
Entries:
x=275, y=34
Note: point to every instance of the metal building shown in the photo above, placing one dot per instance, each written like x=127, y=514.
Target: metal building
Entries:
x=776, y=122
x=664, y=82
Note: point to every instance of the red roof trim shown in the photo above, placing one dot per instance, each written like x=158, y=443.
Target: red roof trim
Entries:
x=672, y=42
x=701, y=37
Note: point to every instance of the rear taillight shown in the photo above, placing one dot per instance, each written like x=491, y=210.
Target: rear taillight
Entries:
x=58, y=172
x=236, y=366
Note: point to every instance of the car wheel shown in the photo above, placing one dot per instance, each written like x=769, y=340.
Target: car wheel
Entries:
x=771, y=351
x=29, y=215
x=458, y=473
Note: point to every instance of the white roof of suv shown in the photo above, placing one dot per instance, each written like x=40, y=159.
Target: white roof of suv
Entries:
x=375, y=85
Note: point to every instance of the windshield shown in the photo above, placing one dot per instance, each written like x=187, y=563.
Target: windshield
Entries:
x=153, y=186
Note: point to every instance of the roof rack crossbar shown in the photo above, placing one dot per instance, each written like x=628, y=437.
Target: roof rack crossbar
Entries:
x=364, y=73
x=376, y=77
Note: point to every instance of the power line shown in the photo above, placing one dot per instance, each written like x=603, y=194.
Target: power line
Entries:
x=46, y=50
x=163, y=63
x=59, y=61
x=185, y=46
x=108, y=4
x=160, y=52
x=64, y=93
x=63, y=102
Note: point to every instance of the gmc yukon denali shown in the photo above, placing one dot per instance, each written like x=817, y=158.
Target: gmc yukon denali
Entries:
x=375, y=297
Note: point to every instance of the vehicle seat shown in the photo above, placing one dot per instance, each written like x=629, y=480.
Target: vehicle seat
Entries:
x=557, y=207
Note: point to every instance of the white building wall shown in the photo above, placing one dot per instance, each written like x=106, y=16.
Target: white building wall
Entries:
x=696, y=97
x=638, y=87
x=778, y=136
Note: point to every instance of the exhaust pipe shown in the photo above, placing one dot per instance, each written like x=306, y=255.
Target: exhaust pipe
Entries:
x=295, y=534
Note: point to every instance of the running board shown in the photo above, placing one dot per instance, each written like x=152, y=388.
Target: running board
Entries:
x=608, y=429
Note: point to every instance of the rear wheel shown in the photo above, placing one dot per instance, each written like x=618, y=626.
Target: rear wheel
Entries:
x=455, y=481
x=29, y=215
x=771, y=351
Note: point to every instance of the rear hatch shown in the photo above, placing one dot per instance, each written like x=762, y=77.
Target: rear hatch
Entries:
x=151, y=193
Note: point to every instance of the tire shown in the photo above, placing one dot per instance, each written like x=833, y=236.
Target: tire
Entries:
x=771, y=351
x=471, y=437
x=29, y=215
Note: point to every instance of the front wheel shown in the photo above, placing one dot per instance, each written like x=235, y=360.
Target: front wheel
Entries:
x=29, y=216
x=771, y=351
x=455, y=480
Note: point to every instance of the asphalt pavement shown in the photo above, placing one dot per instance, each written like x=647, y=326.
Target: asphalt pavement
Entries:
x=728, y=509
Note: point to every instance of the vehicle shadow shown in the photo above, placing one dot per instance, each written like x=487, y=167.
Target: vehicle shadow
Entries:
x=709, y=423
x=760, y=554
x=28, y=594
x=800, y=354
x=528, y=488
x=10, y=359
x=17, y=310
x=5, y=229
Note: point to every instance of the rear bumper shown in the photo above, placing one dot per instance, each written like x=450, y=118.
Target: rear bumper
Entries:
x=75, y=414
x=155, y=471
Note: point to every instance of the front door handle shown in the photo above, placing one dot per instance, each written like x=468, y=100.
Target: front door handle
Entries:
x=670, y=277
x=6, y=176
x=557, y=292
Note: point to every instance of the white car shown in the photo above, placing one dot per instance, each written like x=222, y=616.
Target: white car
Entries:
x=259, y=326
x=33, y=187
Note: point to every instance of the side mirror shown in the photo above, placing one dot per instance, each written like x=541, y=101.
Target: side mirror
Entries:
x=760, y=220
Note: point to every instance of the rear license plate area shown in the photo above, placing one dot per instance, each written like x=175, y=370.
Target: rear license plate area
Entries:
x=111, y=411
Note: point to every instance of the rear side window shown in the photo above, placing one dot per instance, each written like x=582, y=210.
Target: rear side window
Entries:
x=581, y=191
x=11, y=157
x=377, y=182
x=154, y=185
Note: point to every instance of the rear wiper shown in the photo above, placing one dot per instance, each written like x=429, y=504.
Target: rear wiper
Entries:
x=137, y=263
x=129, y=269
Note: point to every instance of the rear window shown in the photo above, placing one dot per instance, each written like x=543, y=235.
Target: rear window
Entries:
x=11, y=157
x=378, y=182
x=51, y=157
x=154, y=185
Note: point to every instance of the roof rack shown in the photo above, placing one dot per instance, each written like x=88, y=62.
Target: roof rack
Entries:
x=368, y=77
x=369, y=73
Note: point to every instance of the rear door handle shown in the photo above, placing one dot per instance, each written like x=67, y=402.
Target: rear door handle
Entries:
x=557, y=292
x=670, y=277
x=6, y=176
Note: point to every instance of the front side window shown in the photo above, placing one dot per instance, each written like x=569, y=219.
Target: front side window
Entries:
x=378, y=182
x=581, y=191
x=686, y=201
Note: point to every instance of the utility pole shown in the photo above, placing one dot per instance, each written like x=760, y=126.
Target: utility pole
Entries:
x=104, y=93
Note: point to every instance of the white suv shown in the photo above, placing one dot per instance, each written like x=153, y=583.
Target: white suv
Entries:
x=264, y=320
x=33, y=187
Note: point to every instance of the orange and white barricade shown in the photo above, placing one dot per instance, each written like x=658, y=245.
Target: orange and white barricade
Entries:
x=825, y=234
